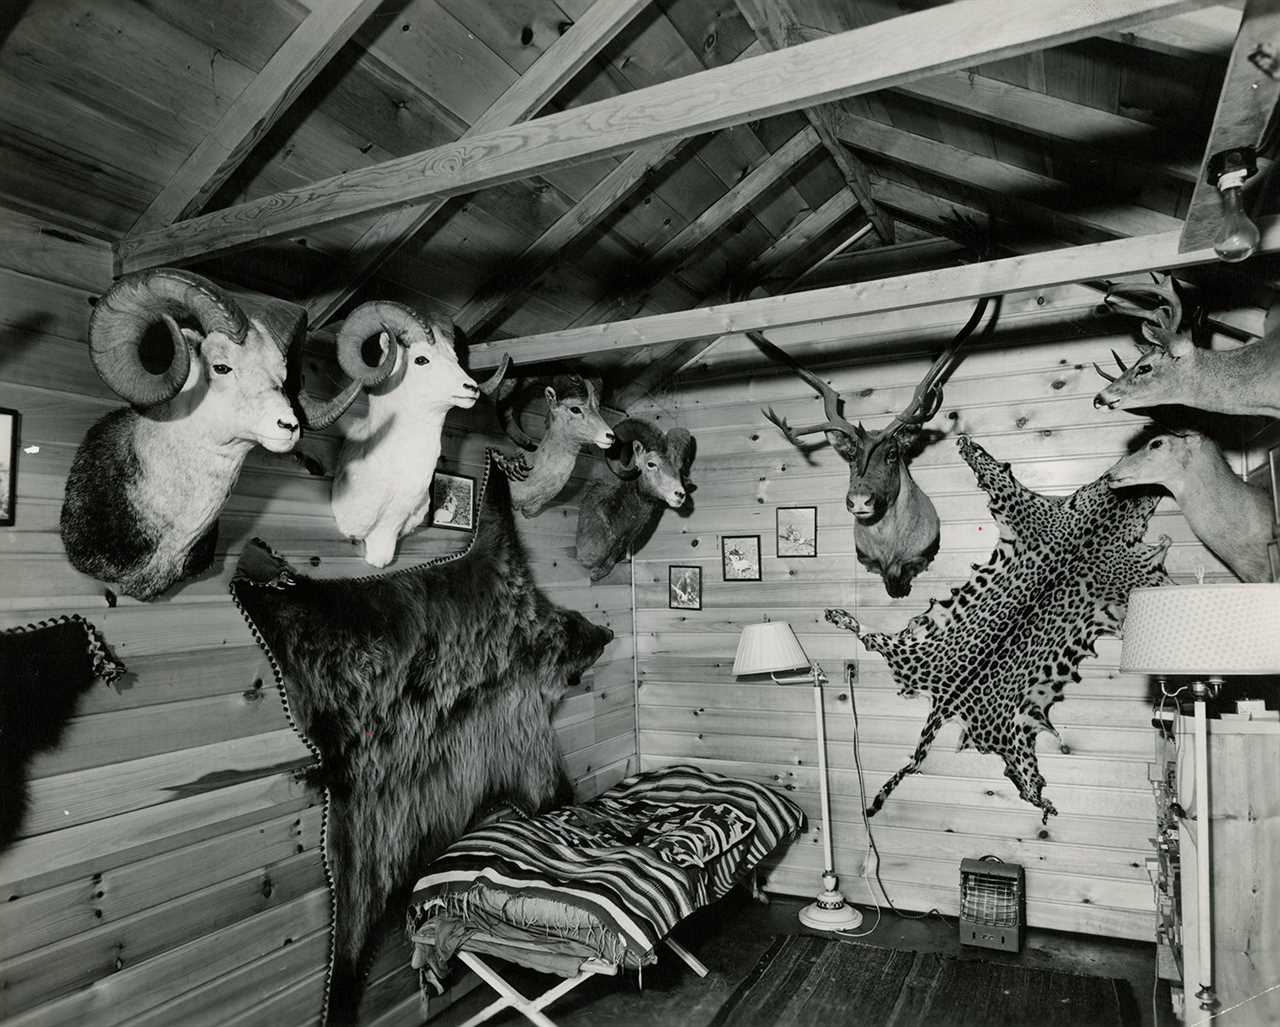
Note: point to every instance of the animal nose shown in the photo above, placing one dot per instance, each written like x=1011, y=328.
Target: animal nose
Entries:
x=1099, y=402
x=610, y=438
x=858, y=504
x=471, y=386
x=679, y=495
x=288, y=426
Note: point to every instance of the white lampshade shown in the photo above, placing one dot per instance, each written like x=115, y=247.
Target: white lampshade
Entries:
x=768, y=647
x=1203, y=629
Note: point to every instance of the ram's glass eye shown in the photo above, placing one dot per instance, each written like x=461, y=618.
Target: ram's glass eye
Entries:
x=652, y=464
x=420, y=361
x=576, y=410
x=1142, y=369
x=221, y=369
x=1156, y=444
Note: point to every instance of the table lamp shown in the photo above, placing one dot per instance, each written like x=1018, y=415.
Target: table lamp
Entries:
x=1207, y=633
x=768, y=648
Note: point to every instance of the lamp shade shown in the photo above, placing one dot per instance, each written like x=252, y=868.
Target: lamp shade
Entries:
x=768, y=647
x=1203, y=629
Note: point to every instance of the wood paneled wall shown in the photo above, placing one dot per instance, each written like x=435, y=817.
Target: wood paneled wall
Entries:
x=1029, y=405
x=169, y=869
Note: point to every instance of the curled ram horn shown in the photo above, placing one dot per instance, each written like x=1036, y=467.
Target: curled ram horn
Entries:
x=509, y=399
x=620, y=456
x=125, y=319
x=680, y=449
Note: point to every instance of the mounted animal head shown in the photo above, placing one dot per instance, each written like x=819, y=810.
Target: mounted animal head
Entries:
x=413, y=359
x=573, y=410
x=657, y=463
x=1164, y=460
x=177, y=347
x=1164, y=371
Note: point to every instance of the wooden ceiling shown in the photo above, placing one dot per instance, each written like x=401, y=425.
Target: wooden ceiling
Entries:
x=122, y=118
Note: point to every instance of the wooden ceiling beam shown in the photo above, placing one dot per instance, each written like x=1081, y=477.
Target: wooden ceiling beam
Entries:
x=1245, y=107
x=1103, y=260
x=526, y=96
x=310, y=46
x=1208, y=32
x=879, y=56
x=776, y=27
x=1035, y=193
x=1050, y=117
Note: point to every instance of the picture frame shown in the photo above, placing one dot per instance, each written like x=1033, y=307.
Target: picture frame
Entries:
x=453, y=502
x=684, y=587
x=740, y=557
x=1273, y=461
x=10, y=421
x=1273, y=558
x=796, y=532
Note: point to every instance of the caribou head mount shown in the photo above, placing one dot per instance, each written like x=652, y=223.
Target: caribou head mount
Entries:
x=1172, y=370
x=205, y=382
x=573, y=420
x=896, y=532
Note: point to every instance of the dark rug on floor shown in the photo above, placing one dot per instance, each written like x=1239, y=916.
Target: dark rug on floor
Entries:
x=804, y=980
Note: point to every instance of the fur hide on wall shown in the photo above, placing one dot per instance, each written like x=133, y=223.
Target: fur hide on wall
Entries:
x=44, y=669
x=428, y=693
x=998, y=653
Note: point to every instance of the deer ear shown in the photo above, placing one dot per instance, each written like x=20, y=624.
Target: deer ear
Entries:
x=550, y=393
x=638, y=447
x=845, y=446
x=1180, y=346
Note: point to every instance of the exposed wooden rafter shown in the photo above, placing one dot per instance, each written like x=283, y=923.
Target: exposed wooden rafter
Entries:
x=878, y=56
x=526, y=96
x=1038, y=195
x=306, y=51
x=1245, y=106
x=776, y=27
x=1205, y=33
x=1111, y=259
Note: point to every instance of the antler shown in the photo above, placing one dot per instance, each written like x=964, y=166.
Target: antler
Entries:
x=830, y=399
x=1162, y=319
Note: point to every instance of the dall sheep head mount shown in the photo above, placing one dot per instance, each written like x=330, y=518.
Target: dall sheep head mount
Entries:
x=206, y=382
x=382, y=488
x=652, y=469
x=573, y=420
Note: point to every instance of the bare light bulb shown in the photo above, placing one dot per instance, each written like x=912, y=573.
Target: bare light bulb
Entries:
x=1238, y=237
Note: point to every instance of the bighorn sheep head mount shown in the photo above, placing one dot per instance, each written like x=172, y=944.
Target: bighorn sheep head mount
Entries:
x=573, y=420
x=382, y=488
x=652, y=470
x=206, y=382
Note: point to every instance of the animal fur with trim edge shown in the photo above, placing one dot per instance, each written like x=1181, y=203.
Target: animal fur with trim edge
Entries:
x=428, y=692
x=997, y=654
x=44, y=669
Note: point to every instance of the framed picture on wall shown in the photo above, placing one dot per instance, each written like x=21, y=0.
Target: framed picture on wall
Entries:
x=453, y=501
x=684, y=588
x=740, y=557
x=8, y=464
x=1273, y=458
x=1273, y=557
x=797, y=531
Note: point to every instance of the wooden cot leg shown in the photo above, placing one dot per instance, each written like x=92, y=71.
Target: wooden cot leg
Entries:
x=693, y=962
x=531, y=1009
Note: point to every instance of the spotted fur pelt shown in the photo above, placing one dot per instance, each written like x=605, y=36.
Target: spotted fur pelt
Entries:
x=428, y=692
x=44, y=669
x=997, y=654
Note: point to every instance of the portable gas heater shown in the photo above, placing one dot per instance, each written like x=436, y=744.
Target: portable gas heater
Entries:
x=992, y=904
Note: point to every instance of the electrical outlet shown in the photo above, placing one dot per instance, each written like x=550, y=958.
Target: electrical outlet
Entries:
x=850, y=672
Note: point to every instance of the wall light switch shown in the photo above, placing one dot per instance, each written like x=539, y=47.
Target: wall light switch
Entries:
x=850, y=672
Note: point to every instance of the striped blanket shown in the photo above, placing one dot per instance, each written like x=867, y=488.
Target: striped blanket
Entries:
x=609, y=878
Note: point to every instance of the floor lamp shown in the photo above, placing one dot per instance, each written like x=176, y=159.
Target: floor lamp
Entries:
x=766, y=649
x=1206, y=633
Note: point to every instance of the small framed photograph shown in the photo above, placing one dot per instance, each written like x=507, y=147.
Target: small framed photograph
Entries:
x=8, y=464
x=453, y=501
x=684, y=588
x=797, y=531
x=1273, y=458
x=1273, y=557
x=740, y=557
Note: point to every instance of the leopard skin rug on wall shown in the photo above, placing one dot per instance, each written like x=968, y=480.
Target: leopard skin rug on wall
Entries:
x=997, y=654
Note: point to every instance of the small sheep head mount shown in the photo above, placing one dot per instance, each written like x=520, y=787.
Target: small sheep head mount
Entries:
x=657, y=463
x=573, y=410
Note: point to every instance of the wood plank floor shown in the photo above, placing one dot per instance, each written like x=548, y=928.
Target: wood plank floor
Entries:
x=730, y=936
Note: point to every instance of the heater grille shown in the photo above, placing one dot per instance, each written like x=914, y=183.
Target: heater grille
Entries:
x=992, y=904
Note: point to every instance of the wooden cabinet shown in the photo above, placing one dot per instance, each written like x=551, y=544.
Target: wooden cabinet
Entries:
x=1244, y=787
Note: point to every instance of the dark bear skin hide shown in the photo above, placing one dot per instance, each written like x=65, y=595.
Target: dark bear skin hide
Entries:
x=428, y=692
x=44, y=670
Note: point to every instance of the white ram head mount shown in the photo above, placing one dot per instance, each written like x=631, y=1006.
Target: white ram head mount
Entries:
x=382, y=487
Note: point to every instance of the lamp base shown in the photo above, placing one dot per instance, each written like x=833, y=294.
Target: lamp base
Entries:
x=830, y=912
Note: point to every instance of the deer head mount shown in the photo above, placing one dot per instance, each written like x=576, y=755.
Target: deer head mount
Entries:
x=1172, y=370
x=896, y=526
